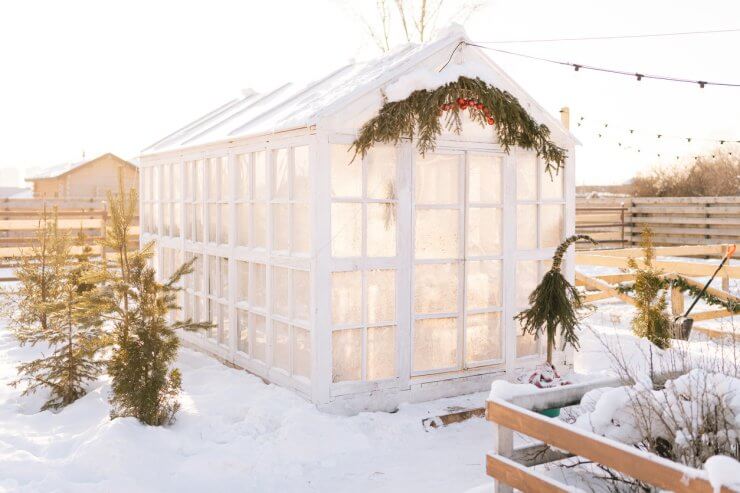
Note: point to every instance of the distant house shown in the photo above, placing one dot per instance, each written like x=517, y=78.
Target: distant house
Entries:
x=91, y=178
x=15, y=193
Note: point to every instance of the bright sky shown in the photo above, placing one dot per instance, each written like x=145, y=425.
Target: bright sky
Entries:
x=104, y=76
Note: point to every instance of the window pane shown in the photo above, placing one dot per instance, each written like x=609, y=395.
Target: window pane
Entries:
x=526, y=176
x=242, y=338
x=483, y=337
x=301, y=228
x=435, y=288
x=224, y=263
x=242, y=224
x=198, y=181
x=301, y=294
x=301, y=352
x=213, y=217
x=436, y=178
x=484, y=179
x=346, y=230
x=214, y=311
x=175, y=230
x=225, y=332
x=346, y=175
x=280, y=287
x=484, y=231
x=214, y=166
x=259, y=234
x=242, y=164
x=552, y=187
x=346, y=297
x=224, y=225
x=281, y=344
x=281, y=227
x=301, y=184
x=166, y=181
x=526, y=227
x=225, y=192
x=526, y=345
x=242, y=281
x=346, y=350
x=381, y=296
x=199, y=222
x=381, y=353
x=381, y=172
x=436, y=233
x=484, y=284
x=176, y=181
x=260, y=175
x=198, y=272
x=280, y=176
x=551, y=225
x=259, y=286
x=381, y=230
x=526, y=280
x=213, y=286
x=435, y=343
x=259, y=327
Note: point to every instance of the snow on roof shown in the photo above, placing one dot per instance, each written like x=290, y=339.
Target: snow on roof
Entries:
x=293, y=106
x=60, y=169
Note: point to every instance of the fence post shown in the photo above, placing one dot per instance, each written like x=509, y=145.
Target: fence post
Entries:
x=725, y=275
x=503, y=444
x=676, y=301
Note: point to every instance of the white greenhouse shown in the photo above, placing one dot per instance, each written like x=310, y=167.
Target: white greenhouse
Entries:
x=359, y=284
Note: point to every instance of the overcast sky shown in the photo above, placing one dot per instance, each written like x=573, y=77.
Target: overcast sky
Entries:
x=100, y=76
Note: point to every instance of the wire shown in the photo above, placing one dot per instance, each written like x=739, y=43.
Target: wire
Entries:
x=620, y=36
x=581, y=66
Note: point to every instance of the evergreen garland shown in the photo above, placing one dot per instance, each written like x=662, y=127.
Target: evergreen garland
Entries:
x=554, y=303
x=421, y=112
x=682, y=285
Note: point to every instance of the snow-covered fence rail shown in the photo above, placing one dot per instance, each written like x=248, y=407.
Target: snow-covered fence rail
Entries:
x=674, y=220
x=511, y=467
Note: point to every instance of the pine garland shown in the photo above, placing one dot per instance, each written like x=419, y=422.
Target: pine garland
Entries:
x=421, y=112
x=682, y=285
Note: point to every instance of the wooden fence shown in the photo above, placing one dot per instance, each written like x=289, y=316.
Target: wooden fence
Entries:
x=19, y=219
x=512, y=467
x=618, y=222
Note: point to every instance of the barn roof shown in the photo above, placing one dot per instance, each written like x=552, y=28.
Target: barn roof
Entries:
x=291, y=106
x=62, y=169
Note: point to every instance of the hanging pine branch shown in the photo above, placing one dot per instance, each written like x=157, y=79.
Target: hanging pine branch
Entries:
x=554, y=303
x=420, y=114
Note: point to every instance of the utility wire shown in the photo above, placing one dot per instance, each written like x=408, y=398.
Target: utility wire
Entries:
x=580, y=66
x=619, y=36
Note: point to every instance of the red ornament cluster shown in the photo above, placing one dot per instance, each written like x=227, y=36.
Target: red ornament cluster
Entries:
x=471, y=104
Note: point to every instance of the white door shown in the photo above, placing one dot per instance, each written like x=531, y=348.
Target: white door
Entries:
x=457, y=261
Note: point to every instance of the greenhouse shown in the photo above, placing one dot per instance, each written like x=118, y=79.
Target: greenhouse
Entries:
x=361, y=279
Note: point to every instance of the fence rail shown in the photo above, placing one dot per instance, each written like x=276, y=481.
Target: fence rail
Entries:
x=618, y=222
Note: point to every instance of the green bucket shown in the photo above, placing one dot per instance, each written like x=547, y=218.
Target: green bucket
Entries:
x=551, y=413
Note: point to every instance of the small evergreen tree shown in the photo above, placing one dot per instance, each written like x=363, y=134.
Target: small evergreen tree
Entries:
x=651, y=320
x=145, y=343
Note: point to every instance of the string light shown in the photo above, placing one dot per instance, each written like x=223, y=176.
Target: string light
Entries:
x=661, y=136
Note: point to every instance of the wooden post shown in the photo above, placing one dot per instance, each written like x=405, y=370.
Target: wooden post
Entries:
x=503, y=444
x=725, y=275
x=677, y=308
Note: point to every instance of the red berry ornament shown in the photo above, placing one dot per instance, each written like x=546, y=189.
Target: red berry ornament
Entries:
x=490, y=120
x=479, y=106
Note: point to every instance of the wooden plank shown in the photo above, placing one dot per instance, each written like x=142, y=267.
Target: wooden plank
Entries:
x=711, y=315
x=598, y=285
x=714, y=230
x=534, y=455
x=681, y=251
x=677, y=308
x=590, y=298
x=735, y=221
x=684, y=200
x=30, y=224
x=521, y=478
x=694, y=269
x=684, y=209
x=651, y=469
x=717, y=333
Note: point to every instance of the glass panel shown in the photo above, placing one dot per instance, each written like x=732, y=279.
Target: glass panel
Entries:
x=198, y=272
x=166, y=181
x=301, y=228
x=301, y=183
x=435, y=288
x=242, y=338
x=155, y=183
x=301, y=294
x=484, y=284
x=225, y=192
x=346, y=297
x=526, y=345
x=436, y=178
x=224, y=224
x=484, y=179
x=552, y=187
x=436, y=233
x=224, y=265
x=214, y=311
x=381, y=296
x=526, y=176
x=381, y=353
x=281, y=227
x=346, y=230
x=346, y=350
x=484, y=231
x=346, y=175
x=381, y=230
x=198, y=182
x=280, y=178
x=551, y=225
x=526, y=280
x=280, y=291
x=281, y=344
x=301, y=352
x=242, y=281
x=213, y=286
x=242, y=164
x=526, y=227
x=381, y=172
x=213, y=169
x=175, y=230
x=225, y=332
x=259, y=286
x=483, y=337
x=242, y=224
x=176, y=181
x=260, y=175
x=259, y=234
x=259, y=326
x=213, y=217
x=166, y=219
x=199, y=222
x=435, y=343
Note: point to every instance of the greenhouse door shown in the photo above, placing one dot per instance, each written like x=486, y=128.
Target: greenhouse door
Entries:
x=457, y=262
